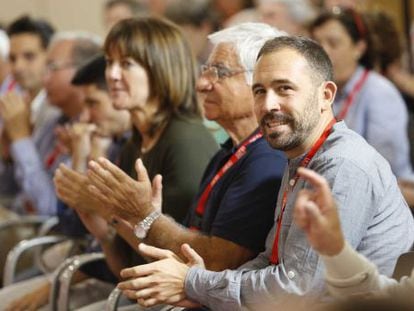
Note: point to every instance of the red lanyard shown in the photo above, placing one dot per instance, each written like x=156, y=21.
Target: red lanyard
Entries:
x=11, y=86
x=52, y=156
x=347, y=103
x=274, y=258
x=241, y=151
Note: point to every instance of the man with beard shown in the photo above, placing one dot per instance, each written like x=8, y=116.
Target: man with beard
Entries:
x=293, y=93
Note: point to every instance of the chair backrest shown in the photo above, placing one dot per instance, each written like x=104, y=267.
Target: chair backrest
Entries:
x=404, y=265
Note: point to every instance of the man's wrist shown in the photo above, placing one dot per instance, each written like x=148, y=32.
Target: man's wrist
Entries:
x=18, y=135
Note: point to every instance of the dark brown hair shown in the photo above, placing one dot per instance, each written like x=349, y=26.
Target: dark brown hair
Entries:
x=356, y=27
x=159, y=46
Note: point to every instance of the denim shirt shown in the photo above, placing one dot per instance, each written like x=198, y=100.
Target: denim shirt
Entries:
x=375, y=218
x=379, y=114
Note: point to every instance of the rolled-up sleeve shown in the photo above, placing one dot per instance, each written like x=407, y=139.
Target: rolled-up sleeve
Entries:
x=35, y=181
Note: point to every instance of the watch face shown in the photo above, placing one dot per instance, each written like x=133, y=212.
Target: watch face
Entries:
x=139, y=231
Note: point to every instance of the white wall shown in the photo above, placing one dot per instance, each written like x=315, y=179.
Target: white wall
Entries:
x=63, y=14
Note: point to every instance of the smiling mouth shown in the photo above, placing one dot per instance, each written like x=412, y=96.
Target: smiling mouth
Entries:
x=274, y=123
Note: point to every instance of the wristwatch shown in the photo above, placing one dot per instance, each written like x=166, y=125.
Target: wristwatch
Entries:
x=141, y=229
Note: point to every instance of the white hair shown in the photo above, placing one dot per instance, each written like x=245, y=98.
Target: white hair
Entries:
x=248, y=39
x=300, y=11
x=4, y=45
x=86, y=45
x=76, y=35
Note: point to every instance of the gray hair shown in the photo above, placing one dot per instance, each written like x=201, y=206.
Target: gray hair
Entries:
x=86, y=45
x=248, y=39
x=300, y=11
x=4, y=45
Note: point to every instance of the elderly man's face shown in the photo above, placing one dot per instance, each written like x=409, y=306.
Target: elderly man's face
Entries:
x=60, y=71
x=226, y=96
x=286, y=98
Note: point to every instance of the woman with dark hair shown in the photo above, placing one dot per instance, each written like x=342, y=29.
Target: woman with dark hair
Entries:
x=368, y=102
x=150, y=72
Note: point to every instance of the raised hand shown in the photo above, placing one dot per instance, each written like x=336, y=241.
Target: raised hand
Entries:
x=80, y=137
x=316, y=213
x=72, y=188
x=130, y=199
x=15, y=113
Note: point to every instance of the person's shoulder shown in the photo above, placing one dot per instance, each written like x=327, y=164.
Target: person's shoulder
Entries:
x=346, y=148
x=379, y=86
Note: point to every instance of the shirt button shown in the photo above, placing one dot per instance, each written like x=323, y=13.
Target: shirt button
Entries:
x=291, y=274
x=292, y=182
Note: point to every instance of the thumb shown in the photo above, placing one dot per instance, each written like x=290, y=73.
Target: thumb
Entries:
x=155, y=252
x=194, y=259
x=315, y=217
x=142, y=174
x=157, y=191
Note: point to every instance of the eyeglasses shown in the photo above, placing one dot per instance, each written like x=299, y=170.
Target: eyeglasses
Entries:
x=56, y=66
x=219, y=72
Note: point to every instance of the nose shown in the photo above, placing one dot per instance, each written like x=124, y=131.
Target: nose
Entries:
x=203, y=84
x=271, y=102
x=18, y=64
x=113, y=72
x=85, y=116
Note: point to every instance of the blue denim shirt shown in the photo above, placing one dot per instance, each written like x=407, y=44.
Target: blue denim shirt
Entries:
x=376, y=221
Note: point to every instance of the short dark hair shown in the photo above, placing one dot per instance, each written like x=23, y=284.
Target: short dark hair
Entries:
x=93, y=72
x=314, y=54
x=190, y=12
x=355, y=26
x=134, y=6
x=39, y=27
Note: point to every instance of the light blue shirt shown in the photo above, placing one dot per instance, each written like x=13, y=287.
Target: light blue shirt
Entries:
x=375, y=219
x=29, y=154
x=378, y=113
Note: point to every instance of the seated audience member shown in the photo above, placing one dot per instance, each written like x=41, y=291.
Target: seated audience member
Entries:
x=346, y=271
x=6, y=81
x=291, y=16
x=150, y=74
x=116, y=10
x=366, y=101
x=25, y=114
x=88, y=140
x=293, y=92
x=235, y=203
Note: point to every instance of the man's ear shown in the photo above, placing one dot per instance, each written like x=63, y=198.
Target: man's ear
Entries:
x=328, y=92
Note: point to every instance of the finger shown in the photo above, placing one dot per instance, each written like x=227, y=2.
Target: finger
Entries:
x=192, y=256
x=135, y=284
x=142, y=174
x=299, y=212
x=102, y=177
x=63, y=181
x=138, y=271
x=146, y=293
x=317, y=181
x=157, y=189
x=97, y=181
x=314, y=214
x=99, y=196
x=113, y=169
x=148, y=302
x=155, y=252
x=130, y=294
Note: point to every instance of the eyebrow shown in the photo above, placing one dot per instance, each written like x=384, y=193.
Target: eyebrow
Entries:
x=274, y=82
